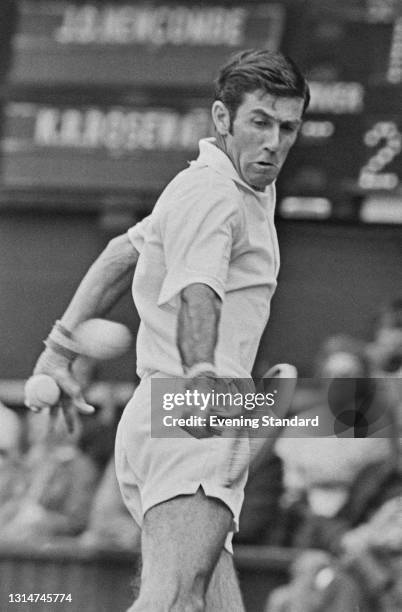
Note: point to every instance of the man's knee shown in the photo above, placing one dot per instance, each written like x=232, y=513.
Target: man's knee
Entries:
x=173, y=588
x=223, y=590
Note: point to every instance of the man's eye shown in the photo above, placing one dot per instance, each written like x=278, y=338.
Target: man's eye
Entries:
x=260, y=122
x=288, y=128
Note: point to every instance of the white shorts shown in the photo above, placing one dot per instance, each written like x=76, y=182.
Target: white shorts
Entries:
x=151, y=470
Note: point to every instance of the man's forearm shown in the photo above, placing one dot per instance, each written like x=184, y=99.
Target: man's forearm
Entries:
x=106, y=281
x=198, y=321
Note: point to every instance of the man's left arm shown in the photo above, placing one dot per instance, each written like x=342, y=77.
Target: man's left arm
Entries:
x=197, y=337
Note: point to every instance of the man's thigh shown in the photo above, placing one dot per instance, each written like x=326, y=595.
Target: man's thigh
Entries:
x=182, y=540
x=186, y=529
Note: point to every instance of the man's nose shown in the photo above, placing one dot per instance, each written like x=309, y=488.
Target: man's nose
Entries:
x=273, y=138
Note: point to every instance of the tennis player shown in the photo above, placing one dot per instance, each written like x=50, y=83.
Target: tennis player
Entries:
x=206, y=264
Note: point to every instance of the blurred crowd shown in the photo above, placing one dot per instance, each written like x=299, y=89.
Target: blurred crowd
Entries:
x=336, y=500
x=341, y=507
x=54, y=484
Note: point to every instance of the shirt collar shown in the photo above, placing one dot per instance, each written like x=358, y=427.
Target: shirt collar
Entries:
x=212, y=156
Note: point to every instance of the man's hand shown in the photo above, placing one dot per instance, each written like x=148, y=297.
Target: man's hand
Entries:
x=205, y=385
x=59, y=368
x=208, y=386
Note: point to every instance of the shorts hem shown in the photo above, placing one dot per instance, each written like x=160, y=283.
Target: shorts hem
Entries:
x=211, y=490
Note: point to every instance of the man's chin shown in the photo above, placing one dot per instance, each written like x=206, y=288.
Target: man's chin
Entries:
x=262, y=185
x=261, y=181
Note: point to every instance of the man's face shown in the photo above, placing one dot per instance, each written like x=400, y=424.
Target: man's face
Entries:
x=263, y=131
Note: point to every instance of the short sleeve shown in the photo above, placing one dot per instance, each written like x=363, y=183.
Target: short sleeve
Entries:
x=197, y=234
x=136, y=233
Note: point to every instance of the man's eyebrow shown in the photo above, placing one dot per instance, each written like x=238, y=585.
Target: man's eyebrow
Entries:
x=262, y=111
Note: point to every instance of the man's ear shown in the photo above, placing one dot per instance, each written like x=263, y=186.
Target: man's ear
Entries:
x=221, y=117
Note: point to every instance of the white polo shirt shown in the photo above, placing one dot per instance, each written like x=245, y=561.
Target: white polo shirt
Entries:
x=208, y=226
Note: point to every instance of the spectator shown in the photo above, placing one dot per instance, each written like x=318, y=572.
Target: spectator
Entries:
x=322, y=469
x=56, y=485
x=365, y=573
x=10, y=453
x=385, y=351
x=347, y=487
x=110, y=524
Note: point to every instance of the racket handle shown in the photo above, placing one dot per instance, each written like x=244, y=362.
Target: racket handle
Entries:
x=247, y=452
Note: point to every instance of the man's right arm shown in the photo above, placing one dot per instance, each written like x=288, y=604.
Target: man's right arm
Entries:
x=106, y=281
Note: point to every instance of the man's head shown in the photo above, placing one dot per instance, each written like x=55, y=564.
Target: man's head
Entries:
x=260, y=98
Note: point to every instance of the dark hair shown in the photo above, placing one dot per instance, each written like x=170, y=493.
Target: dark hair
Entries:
x=255, y=69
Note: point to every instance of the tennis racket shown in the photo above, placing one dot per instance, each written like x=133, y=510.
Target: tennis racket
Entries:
x=246, y=450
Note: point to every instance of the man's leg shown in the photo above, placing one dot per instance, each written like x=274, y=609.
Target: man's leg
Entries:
x=182, y=540
x=223, y=591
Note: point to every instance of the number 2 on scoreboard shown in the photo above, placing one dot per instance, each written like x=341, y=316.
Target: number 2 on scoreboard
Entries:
x=372, y=175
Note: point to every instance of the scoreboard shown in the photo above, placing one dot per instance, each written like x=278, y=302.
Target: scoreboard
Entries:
x=108, y=147
x=355, y=40
x=137, y=43
x=112, y=98
x=348, y=158
x=349, y=149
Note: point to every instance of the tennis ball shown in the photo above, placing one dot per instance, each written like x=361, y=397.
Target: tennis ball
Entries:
x=102, y=339
x=41, y=391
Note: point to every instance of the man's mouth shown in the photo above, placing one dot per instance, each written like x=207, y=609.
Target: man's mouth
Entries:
x=265, y=164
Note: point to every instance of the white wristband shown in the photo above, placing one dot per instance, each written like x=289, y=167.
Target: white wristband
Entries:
x=201, y=368
x=61, y=340
x=69, y=343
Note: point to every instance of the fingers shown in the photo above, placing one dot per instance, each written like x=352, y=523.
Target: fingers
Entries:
x=70, y=402
x=58, y=368
x=69, y=413
x=218, y=399
x=198, y=432
x=72, y=389
x=31, y=407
